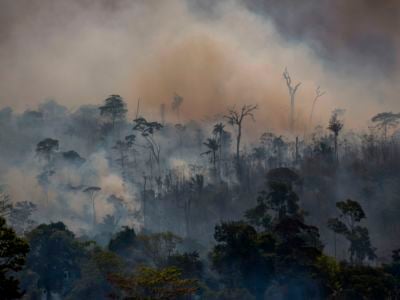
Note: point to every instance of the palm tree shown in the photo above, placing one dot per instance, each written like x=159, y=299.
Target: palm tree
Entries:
x=213, y=147
x=218, y=132
x=335, y=125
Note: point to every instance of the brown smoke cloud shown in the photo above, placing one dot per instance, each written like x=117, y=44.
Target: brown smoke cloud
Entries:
x=80, y=51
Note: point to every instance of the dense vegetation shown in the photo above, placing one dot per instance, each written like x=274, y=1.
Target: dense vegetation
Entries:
x=94, y=206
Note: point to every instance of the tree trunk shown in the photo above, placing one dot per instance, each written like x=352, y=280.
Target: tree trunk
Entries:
x=291, y=124
x=336, y=148
x=239, y=137
x=94, y=211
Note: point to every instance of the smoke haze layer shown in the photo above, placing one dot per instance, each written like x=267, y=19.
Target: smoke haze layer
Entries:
x=214, y=55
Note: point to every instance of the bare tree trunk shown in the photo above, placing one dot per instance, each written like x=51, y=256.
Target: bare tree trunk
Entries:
x=239, y=137
x=144, y=202
x=291, y=124
x=94, y=211
x=336, y=149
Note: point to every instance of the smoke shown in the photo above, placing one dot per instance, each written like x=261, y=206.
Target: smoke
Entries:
x=215, y=55
x=363, y=33
x=64, y=199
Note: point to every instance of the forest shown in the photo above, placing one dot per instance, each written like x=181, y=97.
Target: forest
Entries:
x=149, y=209
x=199, y=149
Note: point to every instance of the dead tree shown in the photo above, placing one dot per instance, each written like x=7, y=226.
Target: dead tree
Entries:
x=318, y=94
x=235, y=118
x=176, y=105
x=292, y=92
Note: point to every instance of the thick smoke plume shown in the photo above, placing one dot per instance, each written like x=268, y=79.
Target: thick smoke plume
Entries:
x=214, y=54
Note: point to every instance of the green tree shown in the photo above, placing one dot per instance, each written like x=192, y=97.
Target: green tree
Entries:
x=123, y=241
x=114, y=109
x=278, y=202
x=243, y=257
x=13, y=251
x=93, y=281
x=351, y=214
x=55, y=256
x=189, y=264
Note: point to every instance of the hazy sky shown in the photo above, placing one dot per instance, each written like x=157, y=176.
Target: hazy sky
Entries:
x=214, y=53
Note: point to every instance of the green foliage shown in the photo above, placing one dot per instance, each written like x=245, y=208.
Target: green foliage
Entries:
x=365, y=282
x=328, y=271
x=358, y=236
x=280, y=200
x=351, y=209
x=114, y=108
x=93, y=282
x=243, y=257
x=145, y=127
x=55, y=256
x=189, y=264
x=13, y=251
x=337, y=226
x=153, y=284
x=123, y=241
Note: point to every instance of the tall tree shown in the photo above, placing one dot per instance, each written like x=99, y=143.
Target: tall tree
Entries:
x=212, y=146
x=92, y=192
x=243, y=257
x=335, y=125
x=55, y=257
x=236, y=118
x=147, y=130
x=386, y=120
x=122, y=150
x=292, y=93
x=46, y=149
x=219, y=131
x=351, y=214
x=318, y=94
x=115, y=109
x=176, y=105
